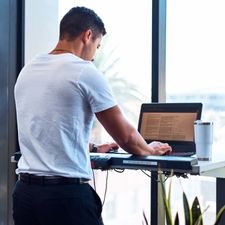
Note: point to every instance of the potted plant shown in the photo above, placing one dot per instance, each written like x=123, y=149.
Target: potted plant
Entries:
x=192, y=215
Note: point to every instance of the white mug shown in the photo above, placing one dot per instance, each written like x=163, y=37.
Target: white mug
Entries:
x=203, y=139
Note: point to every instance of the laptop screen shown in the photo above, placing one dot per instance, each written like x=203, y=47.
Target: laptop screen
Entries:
x=169, y=122
x=168, y=126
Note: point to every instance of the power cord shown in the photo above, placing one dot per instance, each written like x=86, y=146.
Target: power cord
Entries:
x=94, y=183
x=148, y=175
x=119, y=170
x=106, y=185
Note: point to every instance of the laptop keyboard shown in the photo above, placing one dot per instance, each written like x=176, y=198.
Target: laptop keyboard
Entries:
x=183, y=154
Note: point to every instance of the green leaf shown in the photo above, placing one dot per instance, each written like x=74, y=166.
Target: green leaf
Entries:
x=199, y=220
x=176, y=221
x=219, y=215
x=169, y=193
x=187, y=211
x=196, y=212
x=145, y=218
x=200, y=217
x=166, y=202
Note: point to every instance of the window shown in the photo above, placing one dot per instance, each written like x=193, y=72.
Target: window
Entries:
x=195, y=68
x=125, y=59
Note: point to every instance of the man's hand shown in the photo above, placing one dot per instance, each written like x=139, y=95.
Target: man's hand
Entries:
x=160, y=148
x=103, y=148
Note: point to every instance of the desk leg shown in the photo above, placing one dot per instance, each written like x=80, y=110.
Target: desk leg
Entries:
x=220, y=196
x=157, y=209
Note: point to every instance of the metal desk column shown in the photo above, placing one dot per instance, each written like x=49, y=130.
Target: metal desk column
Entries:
x=220, y=196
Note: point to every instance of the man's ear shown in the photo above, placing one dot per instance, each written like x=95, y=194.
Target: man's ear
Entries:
x=87, y=36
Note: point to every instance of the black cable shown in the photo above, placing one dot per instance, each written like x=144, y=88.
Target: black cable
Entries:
x=146, y=173
x=119, y=170
x=164, y=181
x=106, y=187
x=166, y=176
x=94, y=180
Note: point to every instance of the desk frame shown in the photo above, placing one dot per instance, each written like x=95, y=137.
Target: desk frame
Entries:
x=214, y=168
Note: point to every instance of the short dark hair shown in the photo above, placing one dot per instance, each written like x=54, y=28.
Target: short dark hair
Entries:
x=79, y=19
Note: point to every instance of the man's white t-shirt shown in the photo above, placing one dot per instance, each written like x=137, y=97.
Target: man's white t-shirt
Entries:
x=56, y=98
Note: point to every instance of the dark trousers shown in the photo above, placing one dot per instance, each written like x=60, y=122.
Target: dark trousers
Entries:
x=67, y=204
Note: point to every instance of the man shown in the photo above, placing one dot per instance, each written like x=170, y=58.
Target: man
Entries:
x=57, y=96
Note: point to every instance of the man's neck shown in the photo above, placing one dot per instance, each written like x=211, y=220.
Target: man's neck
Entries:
x=63, y=46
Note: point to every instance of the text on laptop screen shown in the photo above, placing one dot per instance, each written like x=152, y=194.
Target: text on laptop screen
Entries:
x=168, y=126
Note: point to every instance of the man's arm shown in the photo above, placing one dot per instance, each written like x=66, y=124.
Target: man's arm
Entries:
x=103, y=148
x=126, y=135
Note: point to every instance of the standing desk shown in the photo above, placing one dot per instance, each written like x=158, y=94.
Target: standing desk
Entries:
x=179, y=165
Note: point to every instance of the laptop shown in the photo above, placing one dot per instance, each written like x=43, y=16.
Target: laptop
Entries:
x=171, y=123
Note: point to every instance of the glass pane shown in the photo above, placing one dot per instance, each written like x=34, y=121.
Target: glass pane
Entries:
x=125, y=59
x=41, y=27
x=195, y=73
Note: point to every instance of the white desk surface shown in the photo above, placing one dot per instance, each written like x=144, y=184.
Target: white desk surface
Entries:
x=212, y=168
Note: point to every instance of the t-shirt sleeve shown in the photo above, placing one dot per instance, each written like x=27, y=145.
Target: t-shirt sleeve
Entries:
x=96, y=89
